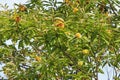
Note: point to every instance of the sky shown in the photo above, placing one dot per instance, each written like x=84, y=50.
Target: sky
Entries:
x=10, y=3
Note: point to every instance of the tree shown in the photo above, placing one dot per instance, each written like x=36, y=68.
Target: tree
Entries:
x=70, y=41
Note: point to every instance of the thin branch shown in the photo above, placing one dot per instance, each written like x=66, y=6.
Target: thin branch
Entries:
x=111, y=6
x=108, y=74
x=115, y=3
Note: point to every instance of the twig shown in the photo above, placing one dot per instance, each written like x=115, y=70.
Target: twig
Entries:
x=112, y=7
x=108, y=74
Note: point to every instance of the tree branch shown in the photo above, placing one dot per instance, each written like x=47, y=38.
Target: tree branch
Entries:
x=111, y=6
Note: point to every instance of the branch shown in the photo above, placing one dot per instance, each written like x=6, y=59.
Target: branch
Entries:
x=111, y=6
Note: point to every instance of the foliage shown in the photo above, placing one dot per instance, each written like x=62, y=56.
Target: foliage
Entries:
x=54, y=40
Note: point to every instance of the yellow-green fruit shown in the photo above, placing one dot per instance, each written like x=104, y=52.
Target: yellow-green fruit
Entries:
x=22, y=7
x=85, y=51
x=60, y=25
x=75, y=10
x=38, y=58
x=59, y=22
x=66, y=1
x=78, y=35
x=17, y=19
x=80, y=63
x=109, y=31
